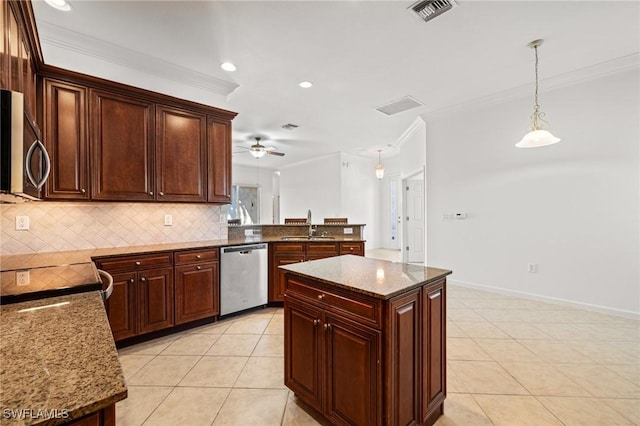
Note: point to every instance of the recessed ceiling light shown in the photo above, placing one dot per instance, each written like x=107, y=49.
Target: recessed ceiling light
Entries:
x=59, y=4
x=305, y=84
x=228, y=66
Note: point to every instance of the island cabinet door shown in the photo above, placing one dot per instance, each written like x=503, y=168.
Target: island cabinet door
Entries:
x=303, y=351
x=433, y=349
x=155, y=299
x=353, y=373
x=121, y=306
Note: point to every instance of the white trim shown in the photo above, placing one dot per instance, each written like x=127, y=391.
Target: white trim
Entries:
x=562, y=302
x=415, y=126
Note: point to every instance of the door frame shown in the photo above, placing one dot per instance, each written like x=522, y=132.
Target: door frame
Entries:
x=405, y=230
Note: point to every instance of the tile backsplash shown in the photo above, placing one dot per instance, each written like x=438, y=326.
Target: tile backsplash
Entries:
x=55, y=226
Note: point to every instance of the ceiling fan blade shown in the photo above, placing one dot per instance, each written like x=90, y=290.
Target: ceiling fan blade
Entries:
x=279, y=154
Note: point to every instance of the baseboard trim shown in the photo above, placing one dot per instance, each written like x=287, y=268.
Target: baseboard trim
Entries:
x=562, y=302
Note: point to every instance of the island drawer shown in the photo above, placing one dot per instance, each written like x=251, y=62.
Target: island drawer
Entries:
x=132, y=263
x=288, y=247
x=325, y=249
x=193, y=256
x=347, y=303
x=352, y=248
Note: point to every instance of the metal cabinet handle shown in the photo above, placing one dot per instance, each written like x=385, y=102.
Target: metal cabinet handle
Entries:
x=351, y=248
x=143, y=279
x=109, y=279
x=83, y=191
x=320, y=296
x=162, y=194
x=37, y=144
x=198, y=267
x=316, y=322
x=131, y=281
x=434, y=295
x=150, y=192
x=198, y=257
x=327, y=327
x=137, y=263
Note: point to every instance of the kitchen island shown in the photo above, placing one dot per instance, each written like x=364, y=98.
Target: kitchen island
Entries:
x=59, y=362
x=365, y=340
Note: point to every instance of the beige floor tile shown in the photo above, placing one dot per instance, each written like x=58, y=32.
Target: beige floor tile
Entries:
x=298, y=413
x=164, y=370
x=263, y=407
x=555, y=351
x=276, y=325
x=152, y=347
x=599, y=381
x=453, y=330
x=490, y=303
x=629, y=372
x=616, y=332
x=629, y=408
x=254, y=325
x=507, y=350
x=509, y=410
x=189, y=406
x=501, y=315
x=191, y=344
x=543, y=379
x=582, y=411
x=566, y=331
x=234, y=345
x=140, y=403
x=459, y=348
x=483, y=330
x=262, y=372
x=454, y=384
x=455, y=304
x=217, y=327
x=462, y=410
x=215, y=371
x=270, y=345
x=463, y=315
x=131, y=363
x=522, y=331
x=486, y=377
x=607, y=352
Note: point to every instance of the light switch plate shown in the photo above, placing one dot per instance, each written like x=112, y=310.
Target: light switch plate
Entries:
x=168, y=220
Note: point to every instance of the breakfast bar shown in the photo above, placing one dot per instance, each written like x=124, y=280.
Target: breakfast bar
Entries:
x=365, y=339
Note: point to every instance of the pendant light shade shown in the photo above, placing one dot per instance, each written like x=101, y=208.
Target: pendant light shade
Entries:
x=537, y=136
x=379, y=167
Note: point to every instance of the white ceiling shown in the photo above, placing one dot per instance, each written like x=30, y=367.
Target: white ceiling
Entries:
x=358, y=54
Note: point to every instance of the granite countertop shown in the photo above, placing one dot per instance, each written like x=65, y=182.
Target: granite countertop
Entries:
x=378, y=278
x=60, y=357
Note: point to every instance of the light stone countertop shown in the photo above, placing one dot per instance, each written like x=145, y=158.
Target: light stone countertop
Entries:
x=378, y=278
x=60, y=357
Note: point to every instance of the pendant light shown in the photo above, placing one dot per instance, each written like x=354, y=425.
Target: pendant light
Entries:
x=537, y=136
x=379, y=167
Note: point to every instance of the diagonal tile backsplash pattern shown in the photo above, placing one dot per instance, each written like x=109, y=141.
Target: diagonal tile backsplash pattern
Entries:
x=58, y=226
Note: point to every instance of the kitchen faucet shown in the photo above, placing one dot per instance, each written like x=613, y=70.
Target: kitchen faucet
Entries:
x=312, y=228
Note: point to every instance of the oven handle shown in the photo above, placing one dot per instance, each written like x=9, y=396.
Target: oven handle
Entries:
x=37, y=144
x=107, y=276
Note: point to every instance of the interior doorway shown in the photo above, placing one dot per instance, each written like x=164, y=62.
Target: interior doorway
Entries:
x=413, y=196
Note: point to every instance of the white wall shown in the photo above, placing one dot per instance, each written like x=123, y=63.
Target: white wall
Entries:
x=243, y=175
x=571, y=208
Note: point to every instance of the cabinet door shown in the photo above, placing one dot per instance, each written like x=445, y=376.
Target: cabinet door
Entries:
x=219, y=157
x=277, y=279
x=121, y=306
x=196, y=291
x=303, y=351
x=321, y=250
x=65, y=135
x=122, y=148
x=181, y=163
x=433, y=347
x=352, y=248
x=155, y=300
x=353, y=373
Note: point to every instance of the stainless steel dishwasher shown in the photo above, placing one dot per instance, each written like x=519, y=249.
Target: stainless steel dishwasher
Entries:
x=243, y=277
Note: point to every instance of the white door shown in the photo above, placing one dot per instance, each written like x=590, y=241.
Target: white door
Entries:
x=414, y=220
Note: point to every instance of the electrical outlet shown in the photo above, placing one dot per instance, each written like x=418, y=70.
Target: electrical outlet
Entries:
x=22, y=278
x=460, y=215
x=348, y=231
x=248, y=232
x=532, y=268
x=168, y=220
x=22, y=223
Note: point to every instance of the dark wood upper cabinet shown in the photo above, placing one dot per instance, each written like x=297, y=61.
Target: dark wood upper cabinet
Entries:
x=219, y=156
x=181, y=155
x=65, y=136
x=122, y=159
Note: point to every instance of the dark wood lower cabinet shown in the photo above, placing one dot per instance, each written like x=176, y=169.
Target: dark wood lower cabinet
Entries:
x=155, y=300
x=197, y=292
x=121, y=306
x=104, y=417
x=383, y=365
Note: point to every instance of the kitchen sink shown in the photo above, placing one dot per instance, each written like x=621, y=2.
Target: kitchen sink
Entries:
x=305, y=238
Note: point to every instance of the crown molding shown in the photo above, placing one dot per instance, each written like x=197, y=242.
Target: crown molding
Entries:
x=82, y=44
x=417, y=124
x=603, y=69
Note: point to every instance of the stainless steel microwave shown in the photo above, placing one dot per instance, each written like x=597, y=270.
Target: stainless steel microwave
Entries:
x=24, y=161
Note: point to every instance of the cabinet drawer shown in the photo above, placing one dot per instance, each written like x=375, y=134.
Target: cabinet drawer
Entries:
x=133, y=263
x=288, y=247
x=347, y=303
x=192, y=256
x=352, y=248
x=327, y=249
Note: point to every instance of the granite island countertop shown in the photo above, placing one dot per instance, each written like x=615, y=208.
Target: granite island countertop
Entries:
x=57, y=355
x=374, y=277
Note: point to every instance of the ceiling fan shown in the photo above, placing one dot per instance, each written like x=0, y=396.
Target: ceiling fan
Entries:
x=258, y=150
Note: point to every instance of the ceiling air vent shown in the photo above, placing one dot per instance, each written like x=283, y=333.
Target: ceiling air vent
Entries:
x=289, y=126
x=429, y=9
x=399, y=105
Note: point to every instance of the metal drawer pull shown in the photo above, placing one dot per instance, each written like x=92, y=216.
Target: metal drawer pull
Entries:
x=137, y=263
x=82, y=191
x=198, y=257
x=150, y=192
x=434, y=295
x=316, y=322
x=327, y=327
x=320, y=296
x=162, y=194
x=143, y=279
x=198, y=267
x=131, y=281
